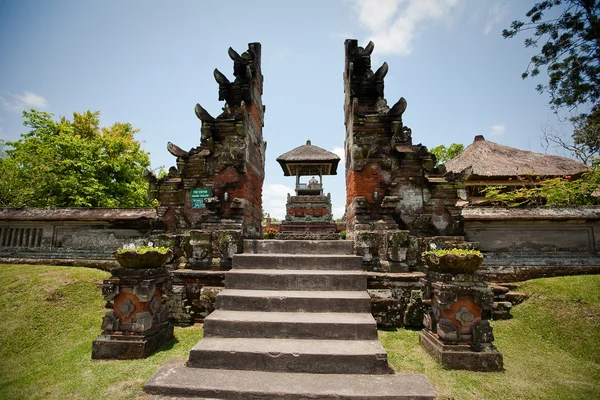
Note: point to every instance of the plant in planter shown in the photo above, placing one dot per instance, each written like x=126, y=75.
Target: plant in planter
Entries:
x=453, y=261
x=145, y=256
x=269, y=233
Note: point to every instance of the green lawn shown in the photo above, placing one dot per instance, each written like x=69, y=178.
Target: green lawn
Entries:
x=51, y=315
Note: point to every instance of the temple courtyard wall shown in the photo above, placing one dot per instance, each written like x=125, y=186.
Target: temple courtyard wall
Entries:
x=519, y=244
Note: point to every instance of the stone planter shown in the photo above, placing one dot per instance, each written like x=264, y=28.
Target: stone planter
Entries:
x=150, y=259
x=138, y=323
x=453, y=263
x=455, y=332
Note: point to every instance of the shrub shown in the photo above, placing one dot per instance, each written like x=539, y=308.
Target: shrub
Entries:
x=269, y=233
x=555, y=192
x=456, y=252
x=343, y=235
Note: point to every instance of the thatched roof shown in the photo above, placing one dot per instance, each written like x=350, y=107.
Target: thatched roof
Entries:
x=311, y=160
x=489, y=159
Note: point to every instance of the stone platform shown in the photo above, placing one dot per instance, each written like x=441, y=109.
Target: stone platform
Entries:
x=460, y=356
x=293, y=322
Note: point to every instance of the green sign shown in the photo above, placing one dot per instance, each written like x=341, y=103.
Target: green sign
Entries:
x=198, y=196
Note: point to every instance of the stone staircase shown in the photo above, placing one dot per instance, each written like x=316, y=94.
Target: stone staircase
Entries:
x=293, y=322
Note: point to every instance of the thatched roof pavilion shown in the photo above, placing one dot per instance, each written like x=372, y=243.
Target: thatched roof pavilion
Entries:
x=308, y=160
x=486, y=160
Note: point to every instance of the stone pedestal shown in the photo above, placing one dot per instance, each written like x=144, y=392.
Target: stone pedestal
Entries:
x=455, y=333
x=308, y=217
x=139, y=323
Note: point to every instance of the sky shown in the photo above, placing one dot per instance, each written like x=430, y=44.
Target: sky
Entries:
x=149, y=62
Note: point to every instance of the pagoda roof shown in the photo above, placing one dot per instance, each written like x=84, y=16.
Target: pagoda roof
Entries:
x=309, y=160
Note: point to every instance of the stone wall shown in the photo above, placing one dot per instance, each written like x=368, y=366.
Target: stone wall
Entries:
x=526, y=243
x=72, y=236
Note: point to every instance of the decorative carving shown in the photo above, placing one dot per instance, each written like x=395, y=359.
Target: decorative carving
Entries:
x=111, y=321
x=144, y=290
x=464, y=316
x=176, y=150
x=141, y=322
x=482, y=333
x=446, y=330
x=109, y=290
x=127, y=308
x=445, y=298
x=202, y=114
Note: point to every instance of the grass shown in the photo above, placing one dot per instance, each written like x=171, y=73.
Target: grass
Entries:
x=551, y=347
x=51, y=315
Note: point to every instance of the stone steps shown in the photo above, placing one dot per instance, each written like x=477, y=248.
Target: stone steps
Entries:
x=301, y=325
x=304, y=247
x=293, y=322
x=294, y=301
x=298, y=262
x=174, y=380
x=291, y=355
x=275, y=279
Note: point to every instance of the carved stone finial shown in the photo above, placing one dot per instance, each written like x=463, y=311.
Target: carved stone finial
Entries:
x=220, y=78
x=398, y=108
x=202, y=114
x=176, y=150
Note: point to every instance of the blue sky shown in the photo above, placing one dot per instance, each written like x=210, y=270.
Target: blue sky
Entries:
x=150, y=62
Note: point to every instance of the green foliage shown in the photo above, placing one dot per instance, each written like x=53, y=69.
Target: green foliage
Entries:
x=160, y=172
x=343, y=235
x=142, y=250
x=74, y=164
x=444, y=154
x=265, y=215
x=586, y=135
x=50, y=316
x=269, y=233
x=570, y=51
x=456, y=252
x=556, y=192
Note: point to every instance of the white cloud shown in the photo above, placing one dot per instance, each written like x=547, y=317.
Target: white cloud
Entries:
x=498, y=130
x=338, y=212
x=393, y=24
x=339, y=151
x=20, y=102
x=495, y=15
x=274, y=199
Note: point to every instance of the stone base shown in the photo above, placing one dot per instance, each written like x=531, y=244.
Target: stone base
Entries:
x=460, y=356
x=118, y=346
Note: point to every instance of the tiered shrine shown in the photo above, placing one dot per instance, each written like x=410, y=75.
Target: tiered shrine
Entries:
x=308, y=213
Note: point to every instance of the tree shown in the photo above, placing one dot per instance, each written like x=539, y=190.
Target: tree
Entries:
x=570, y=52
x=74, y=164
x=444, y=154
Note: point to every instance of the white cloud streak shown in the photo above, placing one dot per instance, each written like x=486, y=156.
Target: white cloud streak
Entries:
x=393, y=24
x=339, y=151
x=495, y=15
x=274, y=199
x=497, y=130
x=19, y=102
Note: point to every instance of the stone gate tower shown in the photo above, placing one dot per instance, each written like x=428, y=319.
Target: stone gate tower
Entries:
x=212, y=198
x=391, y=184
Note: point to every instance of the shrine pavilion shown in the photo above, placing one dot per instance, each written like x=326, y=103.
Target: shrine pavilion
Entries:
x=308, y=213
